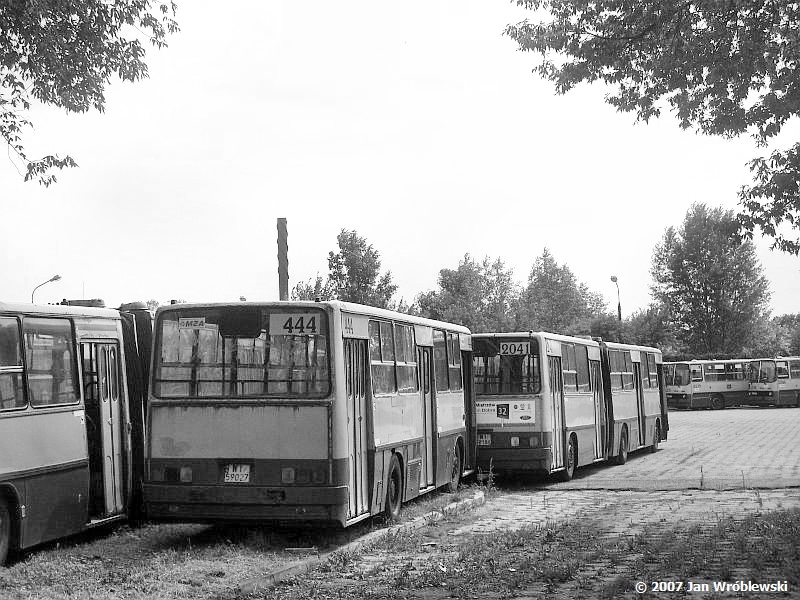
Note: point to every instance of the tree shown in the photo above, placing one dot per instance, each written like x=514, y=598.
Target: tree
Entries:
x=652, y=327
x=64, y=53
x=711, y=282
x=479, y=295
x=556, y=301
x=320, y=288
x=355, y=272
x=724, y=67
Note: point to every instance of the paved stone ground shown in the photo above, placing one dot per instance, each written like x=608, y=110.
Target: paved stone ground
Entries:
x=715, y=463
x=625, y=512
x=724, y=449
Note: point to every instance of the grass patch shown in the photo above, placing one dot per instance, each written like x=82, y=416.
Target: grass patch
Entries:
x=575, y=560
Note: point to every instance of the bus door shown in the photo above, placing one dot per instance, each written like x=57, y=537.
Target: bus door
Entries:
x=104, y=423
x=557, y=395
x=427, y=387
x=637, y=382
x=355, y=352
x=600, y=417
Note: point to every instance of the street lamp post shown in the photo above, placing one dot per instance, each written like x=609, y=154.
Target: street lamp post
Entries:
x=619, y=303
x=53, y=278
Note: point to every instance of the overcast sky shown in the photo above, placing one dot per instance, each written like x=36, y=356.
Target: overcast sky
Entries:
x=418, y=124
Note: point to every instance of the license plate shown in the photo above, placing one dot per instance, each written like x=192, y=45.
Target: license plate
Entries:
x=237, y=473
x=484, y=439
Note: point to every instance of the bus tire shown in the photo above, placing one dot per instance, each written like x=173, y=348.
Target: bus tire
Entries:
x=457, y=468
x=394, y=490
x=656, y=437
x=572, y=460
x=717, y=402
x=5, y=531
x=622, y=457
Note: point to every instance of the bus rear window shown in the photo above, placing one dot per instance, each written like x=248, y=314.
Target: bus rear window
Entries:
x=504, y=367
x=242, y=352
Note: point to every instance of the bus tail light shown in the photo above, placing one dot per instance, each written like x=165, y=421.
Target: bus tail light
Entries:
x=288, y=475
x=186, y=474
x=514, y=441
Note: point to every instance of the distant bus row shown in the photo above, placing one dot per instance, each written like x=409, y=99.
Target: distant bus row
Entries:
x=736, y=382
x=291, y=412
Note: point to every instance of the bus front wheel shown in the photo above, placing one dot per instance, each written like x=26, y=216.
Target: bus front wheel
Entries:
x=394, y=490
x=622, y=457
x=717, y=402
x=5, y=531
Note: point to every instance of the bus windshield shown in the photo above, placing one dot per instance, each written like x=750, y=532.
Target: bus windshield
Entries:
x=506, y=367
x=677, y=374
x=762, y=371
x=241, y=352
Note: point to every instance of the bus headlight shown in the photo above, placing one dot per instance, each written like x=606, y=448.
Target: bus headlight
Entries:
x=514, y=441
x=534, y=442
x=186, y=474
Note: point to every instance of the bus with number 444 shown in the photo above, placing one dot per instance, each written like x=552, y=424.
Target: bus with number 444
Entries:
x=325, y=412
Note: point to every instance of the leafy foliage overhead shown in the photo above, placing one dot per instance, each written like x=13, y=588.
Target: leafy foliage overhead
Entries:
x=724, y=66
x=64, y=53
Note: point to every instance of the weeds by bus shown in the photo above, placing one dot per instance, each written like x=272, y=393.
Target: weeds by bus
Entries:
x=548, y=403
x=706, y=383
x=71, y=420
x=774, y=381
x=303, y=412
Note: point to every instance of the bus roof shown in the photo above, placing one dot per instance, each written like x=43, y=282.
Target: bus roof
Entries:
x=550, y=336
x=618, y=346
x=703, y=361
x=58, y=309
x=362, y=309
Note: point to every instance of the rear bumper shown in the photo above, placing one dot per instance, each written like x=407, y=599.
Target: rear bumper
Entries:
x=515, y=460
x=210, y=503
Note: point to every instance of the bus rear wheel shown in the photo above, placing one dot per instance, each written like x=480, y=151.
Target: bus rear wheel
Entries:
x=717, y=402
x=5, y=531
x=455, y=472
x=394, y=490
x=622, y=457
x=656, y=437
x=572, y=460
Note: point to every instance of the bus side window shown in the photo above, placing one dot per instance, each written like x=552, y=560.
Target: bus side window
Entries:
x=50, y=354
x=782, y=369
x=454, y=361
x=12, y=391
x=381, y=353
x=440, y=365
x=794, y=369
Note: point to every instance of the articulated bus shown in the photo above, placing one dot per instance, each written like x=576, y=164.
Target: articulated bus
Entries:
x=706, y=383
x=774, y=381
x=324, y=412
x=71, y=419
x=548, y=403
